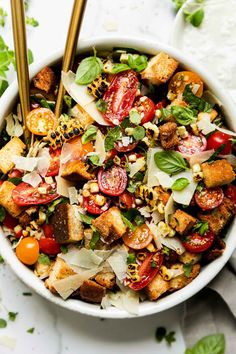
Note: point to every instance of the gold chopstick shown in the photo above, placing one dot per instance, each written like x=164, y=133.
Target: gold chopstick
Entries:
x=19, y=34
x=70, y=48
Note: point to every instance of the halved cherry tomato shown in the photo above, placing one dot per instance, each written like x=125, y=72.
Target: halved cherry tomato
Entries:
x=192, y=145
x=208, y=198
x=120, y=96
x=217, y=139
x=181, y=79
x=9, y=221
x=147, y=271
x=54, y=162
x=121, y=148
x=145, y=107
x=126, y=200
x=230, y=193
x=1, y=182
x=40, y=120
x=15, y=173
x=49, y=246
x=139, y=238
x=112, y=181
x=91, y=207
x=48, y=230
x=196, y=243
x=161, y=104
x=25, y=194
x=27, y=250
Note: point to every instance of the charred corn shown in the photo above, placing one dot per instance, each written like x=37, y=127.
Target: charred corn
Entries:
x=98, y=87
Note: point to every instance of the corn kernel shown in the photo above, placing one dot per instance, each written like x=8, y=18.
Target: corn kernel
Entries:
x=34, y=225
x=94, y=187
x=49, y=180
x=194, y=128
x=161, y=208
x=42, y=218
x=100, y=200
x=158, y=113
x=132, y=158
x=42, y=190
x=182, y=132
x=17, y=229
x=86, y=193
x=198, y=176
x=129, y=131
x=25, y=233
x=171, y=96
x=151, y=248
x=196, y=167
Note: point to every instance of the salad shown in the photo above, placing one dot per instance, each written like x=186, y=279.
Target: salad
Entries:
x=130, y=192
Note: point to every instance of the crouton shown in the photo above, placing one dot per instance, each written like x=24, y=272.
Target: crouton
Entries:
x=217, y=173
x=219, y=217
x=14, y=147
x=110, y=225
x=177, y=102
x=6, y=199
x=216, y=250
x=159, y=69
x=45, y=79
x=156, y=287
x=168, y=135
x=42, y=270
x=24, y=219
x=76, y=170
x=108, y=279
x=59, y=270
x=182, y=280
x=189, y=258
x=163, y=195
x=91, y=291
x=67, y=224
x=182, y=222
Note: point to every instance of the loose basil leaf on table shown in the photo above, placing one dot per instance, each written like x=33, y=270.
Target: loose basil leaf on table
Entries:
x=170, y=162
x=212, y=344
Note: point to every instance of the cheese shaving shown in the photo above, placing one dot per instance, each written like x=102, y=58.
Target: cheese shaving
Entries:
x=152, y=168
x=169, y=208
x=200, y=157
x=230, y=158
x=62, y=186
x=100, y=147
x=13, y=126
x=205, y=125
x=118, y=262
x=25, y=163
x=73, y=195
x=43, y=161
x=127, y=301
x=136, y=166
x=81, y=258
x=92, y=111
x=32, y=178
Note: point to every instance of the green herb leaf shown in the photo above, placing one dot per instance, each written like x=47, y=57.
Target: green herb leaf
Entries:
x=44, y=259
x=137, y=63
x=3, y=86
x=112, y=136
x=125, y=123
x=165, y=113
x=138, y=133
x=1, y=259
x=170, y=162
x=2, y=213
x=68, y=100
x=30, y=57
x=160, y=334
x=153, y=264
x=89, y=135
x=52, y=206
x=195, y=18
x=135, y=117
x=202, y=227
x=101, y=105
x=31, y=330
x=86, y=219
x=183, y=115
x=12, y=316
x=139, y=220
x=187, y=269
x=170, y=338
x=95, y=159
x=178, y=4
x=180, y=184
x=196, y=102
x=27, y=294
x=3, y=323
x=117, y=68
x=212, y=344
x=64, y=249
x=128, y=223
x=88, y=70
x=3, y=15
x=31, y=21
x=131, y=258
x=94, y=240
x=15, y=180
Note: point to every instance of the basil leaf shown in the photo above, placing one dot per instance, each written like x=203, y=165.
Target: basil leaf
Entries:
x=31, y=330
x=212, y=344
x=89, y=135
x=2, y=213
x=64, y=249
x=187, y=268
x=3, y=323
x=95, y=160
x=87, y=219
x=135, y=117
x=15, y=180
x=68, y=100
x=178, y=4
x=128, y=223
x=1, y=259
x=196, y=102
x=183, y=115
x=131, y=258
x=194, y=18
x=138, y=133
x=170, y=337
x=138, y=63
x=44, y=259
x=3, y=86
x=31, y=21
x=94, y=240
x=170, y=162
x=202, y=227
x=112, y=136
x=165, y=113
x=125, y=123
x=101, y=105
x=139, y=220
x=180, y=184
x=30, y=56
x=117, y=68
x=88, y=70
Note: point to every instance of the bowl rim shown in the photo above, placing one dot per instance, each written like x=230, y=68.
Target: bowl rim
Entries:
x=208, y=273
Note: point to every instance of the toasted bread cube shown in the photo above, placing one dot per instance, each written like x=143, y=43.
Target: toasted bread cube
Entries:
x=182, y=280
x=90, y=291
x=163, y=195
x=156, y=287
x=14, y=147
x=159, y=69
x=189, y=258
x=45, y=79
x=6, y=199
x=217, y=173
x=182, y=222
x=76, y=170
x=110, y=225
x=67, y=224
x=168, y=135
x=108, y=279
x=59, y=270
x=219, y=217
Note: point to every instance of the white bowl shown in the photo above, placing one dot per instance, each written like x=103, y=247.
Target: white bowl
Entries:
x=207, y=273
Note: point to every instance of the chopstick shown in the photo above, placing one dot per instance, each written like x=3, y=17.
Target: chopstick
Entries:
x=19, y=34
x=70, y=48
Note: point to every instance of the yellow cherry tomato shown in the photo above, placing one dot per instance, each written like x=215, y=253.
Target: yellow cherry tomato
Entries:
x=28, y=250
x=138, y=238
x=181, y=79
x=40, y=120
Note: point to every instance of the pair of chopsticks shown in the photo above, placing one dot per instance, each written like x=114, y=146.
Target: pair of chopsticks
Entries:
x=20, y=44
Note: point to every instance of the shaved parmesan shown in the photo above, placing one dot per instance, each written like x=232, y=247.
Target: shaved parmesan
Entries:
x=136, y=166
x=169, y=208
x=9, y=342
x=73, y=195
x=205, y=125
x=226, y=131
x=127, y=301
x=62, y=186
x=81, y=258
x=93, y=112
x=118, y=262
x=33, y=178
x=100, y=147
x=195, y=88
x=144, y=211
x=152, y=168
x=126, y=140
x=13, y=126
x=200, y=157
x=25, y=163
x=156, y=216
x=43, y=161
x=165, y=180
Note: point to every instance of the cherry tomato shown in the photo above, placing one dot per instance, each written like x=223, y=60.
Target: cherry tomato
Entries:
x=112, y=181
x=91, y=207
x=208, y=198
x=18, y=234
x=54, y=162
x=121, y=148
x=120, y=96
x=49, y=246
x=1, y=182
x=48, y=230
x=230, y=193
x=147, y=271
x=9, y=221
x=40, y=120
x=217, y=139
x=192, y=145
x=145, y=107
x=28, y=250
x=161, y=104
x=25, y=194
x=181, y=79
x=15, y=173
x=139, y=238
x=126, y=200
x=196, y=243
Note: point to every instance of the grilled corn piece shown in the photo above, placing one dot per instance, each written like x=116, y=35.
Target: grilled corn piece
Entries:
x=98, y=87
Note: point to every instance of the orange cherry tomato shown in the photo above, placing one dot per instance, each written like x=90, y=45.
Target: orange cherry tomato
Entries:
x=40, y=120
x=139, y=238
x=181, y=79
x=28, y=250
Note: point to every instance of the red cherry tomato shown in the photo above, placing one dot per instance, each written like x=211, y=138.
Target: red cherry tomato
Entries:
x=126, y=200
x=230, y=193
x=120, y=96
x=1, y=182
x=49, y=246
x=54, y=162
x=139, y=238
x=192, y=145
x=25, y=194
x=18, y=234
x=161, y=104
x=112, y=181
x=9, y=221
x=209, y=199
x=147, y=271
x=145, y=107
x=121, y=148
x=15, y=174
x=48, y=230
x=217, y=139
x=92, y=208
x=196, y=243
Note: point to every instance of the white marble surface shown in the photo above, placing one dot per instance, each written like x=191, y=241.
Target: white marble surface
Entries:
x=58, y=331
